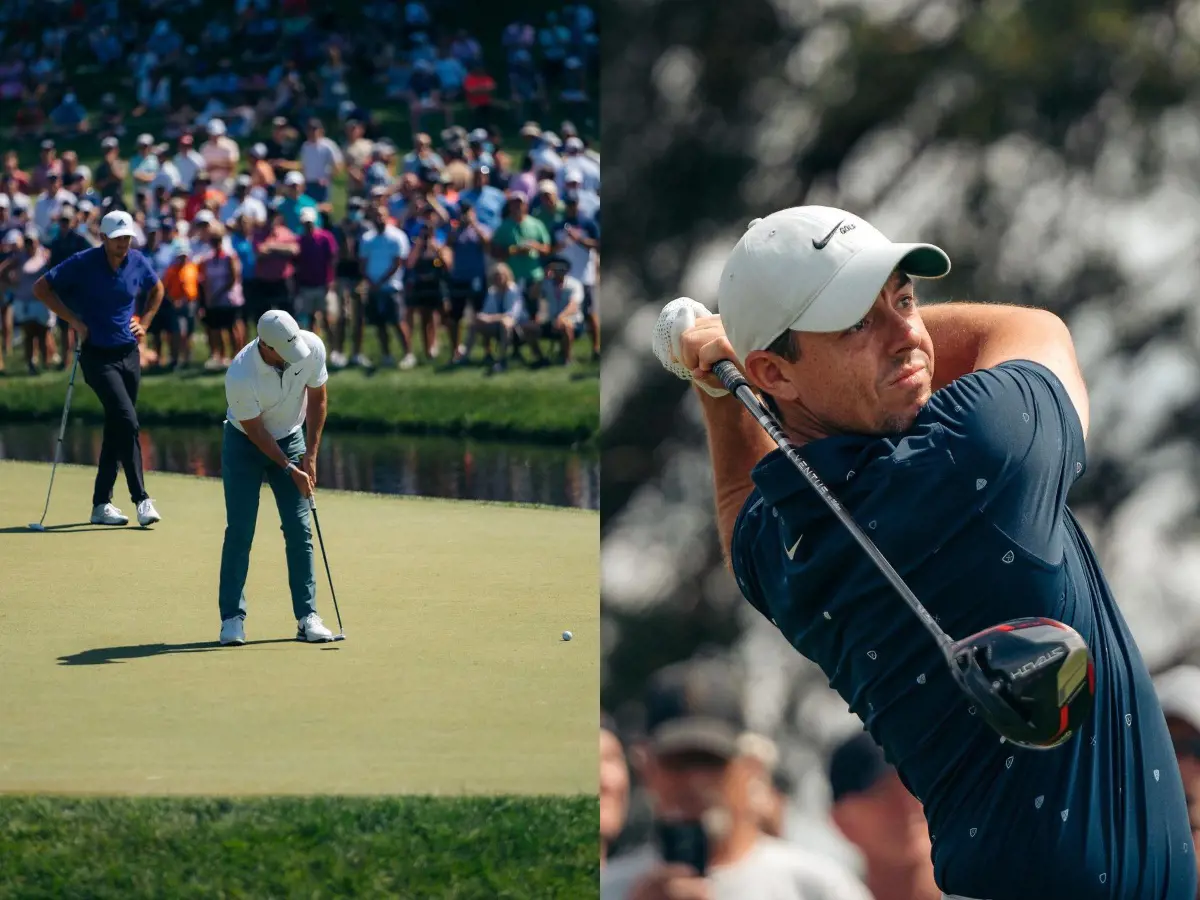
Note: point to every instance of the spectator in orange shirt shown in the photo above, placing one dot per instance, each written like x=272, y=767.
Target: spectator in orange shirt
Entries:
x=181, y=287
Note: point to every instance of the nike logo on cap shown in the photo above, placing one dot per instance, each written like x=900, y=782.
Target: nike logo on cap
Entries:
x=791, y=553
x=820, y=245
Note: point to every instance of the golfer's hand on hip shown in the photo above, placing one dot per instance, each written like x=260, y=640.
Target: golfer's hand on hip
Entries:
x=671, y=882
x=139, y=330
x=302, y=481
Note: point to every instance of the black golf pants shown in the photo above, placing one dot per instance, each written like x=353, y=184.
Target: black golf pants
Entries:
x=114, y=373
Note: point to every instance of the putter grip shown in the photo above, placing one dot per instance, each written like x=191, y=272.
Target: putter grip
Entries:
x=730, y=376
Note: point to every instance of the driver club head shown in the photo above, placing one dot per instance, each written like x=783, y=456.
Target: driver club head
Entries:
x=36, y=526
x=1032, y=679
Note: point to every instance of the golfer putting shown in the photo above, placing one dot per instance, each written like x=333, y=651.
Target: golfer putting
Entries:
x=95, y=291
x=276, y=392
x=958, y=473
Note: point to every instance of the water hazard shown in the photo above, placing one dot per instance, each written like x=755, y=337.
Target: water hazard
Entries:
x=426, y=466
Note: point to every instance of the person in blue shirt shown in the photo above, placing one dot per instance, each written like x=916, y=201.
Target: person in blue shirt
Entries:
x=502, y=314
x=96, y=292
x=469, y=241
x=959, y=472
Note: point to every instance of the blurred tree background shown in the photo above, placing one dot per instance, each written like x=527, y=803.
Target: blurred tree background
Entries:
x=1053, y=150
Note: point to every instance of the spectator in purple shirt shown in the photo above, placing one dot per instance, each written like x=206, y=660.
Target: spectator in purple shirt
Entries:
x=316, y=295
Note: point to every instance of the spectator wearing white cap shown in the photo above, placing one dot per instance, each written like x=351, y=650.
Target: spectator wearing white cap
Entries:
x=144, y=165
x=96, y=292
x=221, y=155
x=589, y=201
x=575, y=159
x=188, y=160
x=294, y=200
x=545, y=153
x=320, y=160
x=50, y=202
x=1179, y=694
x=242, y=202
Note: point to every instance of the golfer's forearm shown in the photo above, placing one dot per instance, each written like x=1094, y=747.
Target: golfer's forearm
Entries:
x=318, y=406
x=261, y=438
x=46, y=296
x=971, y=336
x=735, y=445
x=153, y=302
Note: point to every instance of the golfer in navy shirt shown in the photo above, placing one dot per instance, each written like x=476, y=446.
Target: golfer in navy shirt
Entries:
x=959, y=473
x=96, y=292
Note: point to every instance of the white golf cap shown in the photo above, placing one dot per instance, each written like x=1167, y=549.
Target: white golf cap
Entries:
x=293, y=177
x=280, y=332
x=1179, y=694
x=216, y=127
x=117, y=224
x=811, y=268
x=204, y=217
x=308, y=214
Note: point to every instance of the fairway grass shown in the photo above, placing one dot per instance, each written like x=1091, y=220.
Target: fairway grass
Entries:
x=323, y=847
x=453, y=679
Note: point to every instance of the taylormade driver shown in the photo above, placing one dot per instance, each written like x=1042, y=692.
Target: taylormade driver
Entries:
x=1033, y=680
x=312, y=505
x=62, y=428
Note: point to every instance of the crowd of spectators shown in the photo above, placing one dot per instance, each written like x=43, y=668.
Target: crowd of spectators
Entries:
x=485, y=231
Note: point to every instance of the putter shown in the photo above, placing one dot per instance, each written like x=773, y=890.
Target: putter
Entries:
x=312, y=505
x=62, y=428
x=1032, y=679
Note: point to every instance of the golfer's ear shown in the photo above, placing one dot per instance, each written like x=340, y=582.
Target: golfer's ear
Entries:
x=764, y=370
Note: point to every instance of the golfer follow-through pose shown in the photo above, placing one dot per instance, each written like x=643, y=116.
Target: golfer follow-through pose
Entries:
x=959, y=473
x=96, y=291
x=274, y=386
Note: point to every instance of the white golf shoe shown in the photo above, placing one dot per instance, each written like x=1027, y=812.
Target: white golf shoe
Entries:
x=107, y=514
x=147, y=514
x=233, y=631
x=313, y=630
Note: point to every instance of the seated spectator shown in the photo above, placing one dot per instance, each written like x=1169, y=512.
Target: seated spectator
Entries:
x=502, y=317
x=693, y=765
x=424, y=96
x=70, y=116
x=878, y=815
x=560, y=312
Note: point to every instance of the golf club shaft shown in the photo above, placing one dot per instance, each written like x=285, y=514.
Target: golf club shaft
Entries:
x=312, y=505
x=737, y=385
x=62, y=429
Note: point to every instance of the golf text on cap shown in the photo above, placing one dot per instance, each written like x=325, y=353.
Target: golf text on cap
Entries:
x=279, y=331
x=811, y=268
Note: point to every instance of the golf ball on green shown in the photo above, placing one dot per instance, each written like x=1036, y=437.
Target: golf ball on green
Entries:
x=567, y=635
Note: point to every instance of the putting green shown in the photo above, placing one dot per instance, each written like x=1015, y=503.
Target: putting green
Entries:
x=453, y=677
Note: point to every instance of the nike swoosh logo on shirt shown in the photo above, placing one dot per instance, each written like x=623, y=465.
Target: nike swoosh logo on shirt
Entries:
x=791, y=553
x=820, y=245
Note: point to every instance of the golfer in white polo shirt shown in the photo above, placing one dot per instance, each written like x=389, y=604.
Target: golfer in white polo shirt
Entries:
x=277, y=401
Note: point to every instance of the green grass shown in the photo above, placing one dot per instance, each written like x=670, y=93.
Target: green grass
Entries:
x=524, y=848
x=453, y=678
x=559, y=405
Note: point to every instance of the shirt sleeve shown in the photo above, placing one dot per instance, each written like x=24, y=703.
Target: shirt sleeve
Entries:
x=64, y=277
x=243, y=403
x=747, y=530
x=320, y=372
x=1017, y=441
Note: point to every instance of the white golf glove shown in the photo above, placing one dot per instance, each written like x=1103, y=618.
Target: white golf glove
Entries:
x=676, y=318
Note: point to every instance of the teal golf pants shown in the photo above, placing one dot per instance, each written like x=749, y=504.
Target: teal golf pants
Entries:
x=242, y=469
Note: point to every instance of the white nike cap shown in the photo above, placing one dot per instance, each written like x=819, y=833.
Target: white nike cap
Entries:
x=811, y=268
x=1179, y=693
x=280, y=332
x=117, y=224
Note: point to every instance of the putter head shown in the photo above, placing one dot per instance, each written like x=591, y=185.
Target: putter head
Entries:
x=36, y=526
x=340, y=636
x=1033, y=680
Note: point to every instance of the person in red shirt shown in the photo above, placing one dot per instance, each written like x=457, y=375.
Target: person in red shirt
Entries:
x=276, y=249
x=316, y=296
x=202, y=197
x=479, y=88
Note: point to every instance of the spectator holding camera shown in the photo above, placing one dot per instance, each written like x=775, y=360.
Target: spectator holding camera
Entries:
x=502, y=314
x=701, y=782
x=429, y=263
